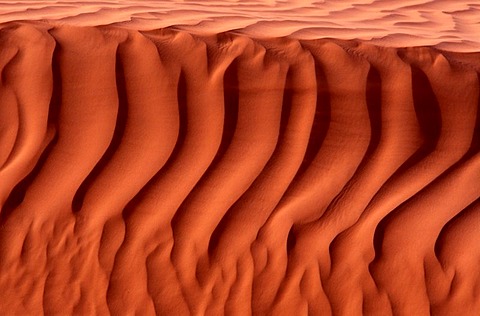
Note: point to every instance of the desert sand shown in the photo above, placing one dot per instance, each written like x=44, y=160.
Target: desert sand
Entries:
x=445, y=24
x=152, y=166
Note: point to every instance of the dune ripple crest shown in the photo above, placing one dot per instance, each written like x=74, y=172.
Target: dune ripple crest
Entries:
x=178, y=174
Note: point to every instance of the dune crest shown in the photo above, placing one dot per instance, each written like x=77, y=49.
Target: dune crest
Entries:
x=166, y=172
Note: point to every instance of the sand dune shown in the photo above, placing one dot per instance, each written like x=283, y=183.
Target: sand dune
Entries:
x=159, y=171
x=447, y=24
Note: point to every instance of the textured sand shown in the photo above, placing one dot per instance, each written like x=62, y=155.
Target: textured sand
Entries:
x=447, y=24
x=162, y=172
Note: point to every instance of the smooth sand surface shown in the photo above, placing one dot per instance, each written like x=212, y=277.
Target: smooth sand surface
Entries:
x=173, y=172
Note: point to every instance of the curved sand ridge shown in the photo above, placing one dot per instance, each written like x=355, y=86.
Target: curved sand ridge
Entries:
x=447, y=24
x=163, y=172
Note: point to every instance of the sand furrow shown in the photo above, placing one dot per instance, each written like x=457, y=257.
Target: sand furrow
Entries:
x=168, y=172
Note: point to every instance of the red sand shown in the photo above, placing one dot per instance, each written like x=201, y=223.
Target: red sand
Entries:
x=163, y=172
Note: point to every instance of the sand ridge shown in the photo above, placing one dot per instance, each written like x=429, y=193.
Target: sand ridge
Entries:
x=447, y=24
x=173, y=173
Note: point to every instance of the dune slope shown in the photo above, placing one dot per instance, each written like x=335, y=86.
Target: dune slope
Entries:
x=166, y=172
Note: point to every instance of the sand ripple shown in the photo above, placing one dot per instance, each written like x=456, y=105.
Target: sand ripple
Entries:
x=447, y=24
x=163, y=172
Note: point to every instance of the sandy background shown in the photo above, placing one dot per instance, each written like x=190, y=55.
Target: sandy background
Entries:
x=449, y=24
x=191, y=170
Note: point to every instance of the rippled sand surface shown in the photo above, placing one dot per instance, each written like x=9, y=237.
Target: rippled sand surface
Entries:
x=184, y=158
x=448, y=24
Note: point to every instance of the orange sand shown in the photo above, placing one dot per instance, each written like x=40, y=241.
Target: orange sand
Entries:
x=446, y=24
x=164, y=172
